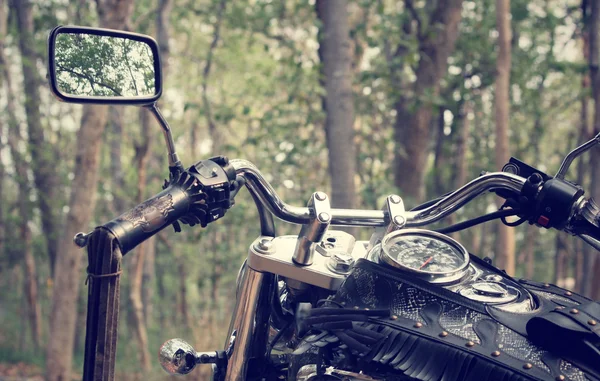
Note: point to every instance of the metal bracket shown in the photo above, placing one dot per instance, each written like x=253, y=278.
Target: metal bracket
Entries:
x=314, y=230
x=394, y=209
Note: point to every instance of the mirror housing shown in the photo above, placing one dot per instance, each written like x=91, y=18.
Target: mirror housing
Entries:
x=138, y=87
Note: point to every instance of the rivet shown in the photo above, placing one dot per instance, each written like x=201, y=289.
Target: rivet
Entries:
x=356, y=307
x=470, y=344
x=527, y=366
x=574, y=311
x=558, y=308
x=418, y=325
x=496, y=353
x=394, y=317
x=443, y=334
x=320, y=196
x=592, y=322
x=546, y=285
x=560, y=378
x=568, y=293
x=366, y=308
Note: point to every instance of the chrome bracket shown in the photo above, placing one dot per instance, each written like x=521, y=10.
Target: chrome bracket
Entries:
x=394, y=209
x=314, y=230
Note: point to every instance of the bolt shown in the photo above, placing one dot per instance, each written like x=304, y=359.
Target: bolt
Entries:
x=395, y=199
x=399, y=220
x=324, y=217
x=320, y=196
x=341, y=262
x=265, y=244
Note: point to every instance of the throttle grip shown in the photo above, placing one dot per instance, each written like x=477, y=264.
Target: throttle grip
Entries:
x=199, y=195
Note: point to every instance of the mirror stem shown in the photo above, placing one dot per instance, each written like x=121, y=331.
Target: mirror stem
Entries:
x=173, y=159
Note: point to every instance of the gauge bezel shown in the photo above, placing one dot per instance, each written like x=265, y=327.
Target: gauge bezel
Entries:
x=430, y=276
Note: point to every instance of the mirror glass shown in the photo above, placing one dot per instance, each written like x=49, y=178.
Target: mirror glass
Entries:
x=89, y=65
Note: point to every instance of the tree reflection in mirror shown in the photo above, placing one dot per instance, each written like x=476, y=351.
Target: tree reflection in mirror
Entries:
x=103, y=66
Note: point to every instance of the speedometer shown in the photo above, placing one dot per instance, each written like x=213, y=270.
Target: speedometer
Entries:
x=429, y=255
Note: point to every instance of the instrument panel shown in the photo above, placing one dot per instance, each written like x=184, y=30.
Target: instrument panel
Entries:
x=441, y=260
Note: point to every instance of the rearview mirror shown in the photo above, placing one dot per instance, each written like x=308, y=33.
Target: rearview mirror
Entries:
x=103, y=66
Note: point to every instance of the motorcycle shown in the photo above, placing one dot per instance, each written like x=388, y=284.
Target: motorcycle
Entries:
x=409, y=304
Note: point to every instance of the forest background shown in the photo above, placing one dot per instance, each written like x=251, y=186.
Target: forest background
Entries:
x=358, y=98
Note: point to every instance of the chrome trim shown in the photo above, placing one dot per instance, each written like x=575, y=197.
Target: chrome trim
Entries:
x=249, y=322
x=263, y=191
x=564, y=166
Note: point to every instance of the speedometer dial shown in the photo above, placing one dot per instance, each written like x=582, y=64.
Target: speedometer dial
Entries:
x=430, y=255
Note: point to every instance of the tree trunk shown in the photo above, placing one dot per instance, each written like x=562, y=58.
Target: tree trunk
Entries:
x=59, y=353
x=529, y=251
x=413, y=119
x=24, y=206
x=3, y=64
x=335, y=55
x=43, y=155
x=505, y=240
x=142, y=154
x=116, y=167
x=590, y=280
x=439, y=185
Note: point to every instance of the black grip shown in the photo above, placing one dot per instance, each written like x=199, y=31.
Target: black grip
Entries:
x=197, y=196
x=148, y=218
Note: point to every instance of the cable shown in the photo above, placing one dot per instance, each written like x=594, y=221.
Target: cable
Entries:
x=479, y=220
x=276, y=339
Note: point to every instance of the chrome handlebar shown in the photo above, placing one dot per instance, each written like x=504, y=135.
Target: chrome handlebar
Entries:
x=264, y=192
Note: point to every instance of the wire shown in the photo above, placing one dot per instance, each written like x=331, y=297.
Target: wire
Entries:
x=479, y=220
x=277, y=338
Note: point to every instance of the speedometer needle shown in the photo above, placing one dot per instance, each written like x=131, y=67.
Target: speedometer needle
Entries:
x=426, y=262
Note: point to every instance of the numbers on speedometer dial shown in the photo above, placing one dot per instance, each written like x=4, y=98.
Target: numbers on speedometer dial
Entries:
x=438, y=258
x=426, y=254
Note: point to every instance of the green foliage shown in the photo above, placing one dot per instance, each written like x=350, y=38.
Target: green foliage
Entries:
x=264, y=97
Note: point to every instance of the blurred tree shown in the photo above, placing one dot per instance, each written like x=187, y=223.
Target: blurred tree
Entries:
x=113, y=14
x=436, y=31
x=338, y=102
x=505, y=239
x=43, y=153
x=25, y=242
x=592, y=283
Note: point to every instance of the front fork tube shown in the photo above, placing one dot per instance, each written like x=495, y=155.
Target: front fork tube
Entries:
x=250, y=323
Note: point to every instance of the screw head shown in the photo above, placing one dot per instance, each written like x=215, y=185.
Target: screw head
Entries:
x=574, y=311
x=547, y=285
x=568, y=293
x=560, y=378
x=399, y=220
x=470, y=344
x=394, y=317
x=324, y=217
x=443, y=334
x=320, y=196
x=418, y=325
x=527, y=366
x=592, y=322
x=495, y=353
x=265, y=244
x=395, y=199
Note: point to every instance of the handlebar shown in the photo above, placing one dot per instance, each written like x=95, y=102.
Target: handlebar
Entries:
x=263, y=191
x=205, y=191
